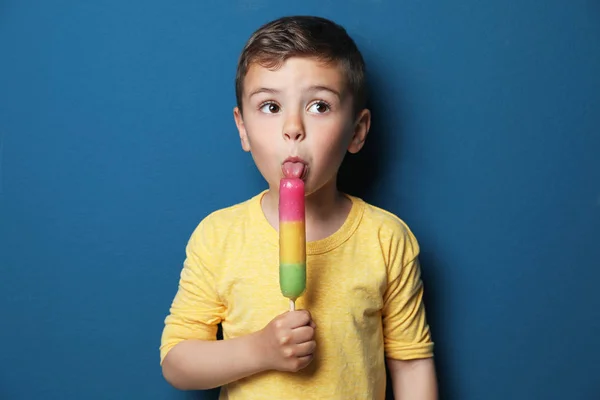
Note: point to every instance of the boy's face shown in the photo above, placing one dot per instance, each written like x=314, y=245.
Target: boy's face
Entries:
x=302, y=110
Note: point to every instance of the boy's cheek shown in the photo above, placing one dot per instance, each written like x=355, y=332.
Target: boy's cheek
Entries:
x=263, y=127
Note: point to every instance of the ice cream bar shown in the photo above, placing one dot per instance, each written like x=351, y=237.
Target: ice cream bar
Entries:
x=292, y=239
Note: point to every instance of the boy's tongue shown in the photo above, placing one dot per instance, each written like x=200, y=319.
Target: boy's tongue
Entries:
x=293, y=169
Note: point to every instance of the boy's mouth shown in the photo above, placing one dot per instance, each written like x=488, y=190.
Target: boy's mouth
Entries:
x=294, y=167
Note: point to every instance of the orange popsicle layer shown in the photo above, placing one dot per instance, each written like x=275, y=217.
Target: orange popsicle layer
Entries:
x=292, y=244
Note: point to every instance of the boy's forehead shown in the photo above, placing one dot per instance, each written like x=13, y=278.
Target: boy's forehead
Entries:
x=295, y=71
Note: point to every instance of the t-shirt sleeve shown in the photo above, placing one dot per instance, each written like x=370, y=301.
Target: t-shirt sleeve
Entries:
x=196, y=309
x=405, y=328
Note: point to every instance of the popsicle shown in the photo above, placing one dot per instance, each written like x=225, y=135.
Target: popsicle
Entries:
x=292, y=239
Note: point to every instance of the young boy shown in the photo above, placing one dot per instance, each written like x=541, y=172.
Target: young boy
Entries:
x=300, y=91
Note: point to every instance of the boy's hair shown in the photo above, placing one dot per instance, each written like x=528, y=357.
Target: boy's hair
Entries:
x=304, y=36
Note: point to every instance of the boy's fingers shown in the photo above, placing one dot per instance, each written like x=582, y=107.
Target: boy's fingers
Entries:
x=303, y=334
x=305, y=360
x=300, y=318
x=311, y=322
x=306, y=349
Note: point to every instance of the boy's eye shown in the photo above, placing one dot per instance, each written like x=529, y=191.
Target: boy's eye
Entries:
x=270, y=108
x=319, y=107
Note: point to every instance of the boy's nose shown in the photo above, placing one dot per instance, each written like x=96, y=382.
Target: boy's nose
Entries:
x=294, y=135
x=293, y=128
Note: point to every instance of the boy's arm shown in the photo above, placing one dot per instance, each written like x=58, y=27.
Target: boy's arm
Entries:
x=285, y=344
x=188, y=345
x=413, y=379
x=206, y=364
x=407, y=338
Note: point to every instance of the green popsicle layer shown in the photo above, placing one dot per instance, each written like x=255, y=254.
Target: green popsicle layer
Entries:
x=292, y=279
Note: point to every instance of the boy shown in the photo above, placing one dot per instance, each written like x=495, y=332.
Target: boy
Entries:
x=300, y=90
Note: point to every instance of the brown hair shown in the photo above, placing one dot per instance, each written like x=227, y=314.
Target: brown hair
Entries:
x=304, y=36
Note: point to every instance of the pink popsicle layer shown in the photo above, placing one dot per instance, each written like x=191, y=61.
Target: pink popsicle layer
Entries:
x=291, y=199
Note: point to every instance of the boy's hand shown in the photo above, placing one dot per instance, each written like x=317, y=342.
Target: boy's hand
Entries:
x=288, y=341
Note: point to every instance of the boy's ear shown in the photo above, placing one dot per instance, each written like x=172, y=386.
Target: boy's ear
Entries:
x=361, y=129
x=239, y=122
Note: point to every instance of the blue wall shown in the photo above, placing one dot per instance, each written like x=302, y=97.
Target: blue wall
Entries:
x=116, y=138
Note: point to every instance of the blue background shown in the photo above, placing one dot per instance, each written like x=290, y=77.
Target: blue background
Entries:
x=117, y=137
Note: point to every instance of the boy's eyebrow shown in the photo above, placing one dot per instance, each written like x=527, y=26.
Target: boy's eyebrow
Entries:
x=318, y=88
x=263, y=90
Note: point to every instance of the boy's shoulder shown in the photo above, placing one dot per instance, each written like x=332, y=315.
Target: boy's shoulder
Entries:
x=217, y=225
x=233, y=214
x=388, y=225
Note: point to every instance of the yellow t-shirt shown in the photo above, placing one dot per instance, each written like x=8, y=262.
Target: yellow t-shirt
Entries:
x=363, y=290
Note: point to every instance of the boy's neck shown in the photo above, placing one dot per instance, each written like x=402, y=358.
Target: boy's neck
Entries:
x=326, y=211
